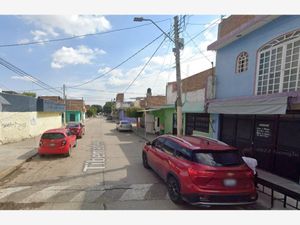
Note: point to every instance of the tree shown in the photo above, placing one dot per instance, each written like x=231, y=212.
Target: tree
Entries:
x=31, y=94
x=98, y=107
x=107, y=108
x=92, y=111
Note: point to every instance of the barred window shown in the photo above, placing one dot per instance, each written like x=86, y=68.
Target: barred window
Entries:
x=198, y=122
x=278, y=65
x=242, y=62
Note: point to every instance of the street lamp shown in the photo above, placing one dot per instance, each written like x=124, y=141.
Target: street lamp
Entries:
x=140, y=19
x=176, y=50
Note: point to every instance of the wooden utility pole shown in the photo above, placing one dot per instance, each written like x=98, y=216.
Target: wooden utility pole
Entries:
x=65, y=102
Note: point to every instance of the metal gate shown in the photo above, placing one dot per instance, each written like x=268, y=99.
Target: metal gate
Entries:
x=274, y=139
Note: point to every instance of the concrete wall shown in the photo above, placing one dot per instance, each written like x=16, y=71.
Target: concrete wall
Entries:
x=228, y=83
x=15, y=126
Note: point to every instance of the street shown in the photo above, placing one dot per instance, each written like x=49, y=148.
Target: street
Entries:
x=104, y=172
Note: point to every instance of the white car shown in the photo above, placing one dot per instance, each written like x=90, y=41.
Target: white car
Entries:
x=124, y=125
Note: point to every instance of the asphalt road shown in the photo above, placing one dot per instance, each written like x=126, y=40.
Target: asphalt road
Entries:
x=104, y=172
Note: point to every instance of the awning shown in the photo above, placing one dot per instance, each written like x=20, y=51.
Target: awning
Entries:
x=193, y=107
x=170, y=106
x=259, y=105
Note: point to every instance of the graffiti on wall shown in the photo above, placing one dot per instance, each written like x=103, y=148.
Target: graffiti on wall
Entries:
x=17, y=125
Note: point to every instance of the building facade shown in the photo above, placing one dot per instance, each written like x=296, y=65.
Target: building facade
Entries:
x=257, y=102
x=24, y=117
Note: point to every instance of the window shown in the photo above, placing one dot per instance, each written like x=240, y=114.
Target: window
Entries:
x=218, y=158
x=52, y=136
x=242, y=62
x=198, y=122
x=169, y=147
x=158, y=143
x=183, y=153
x=278, y=65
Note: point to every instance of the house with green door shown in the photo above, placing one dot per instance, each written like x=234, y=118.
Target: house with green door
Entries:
x=196, y=89
x=75, y=110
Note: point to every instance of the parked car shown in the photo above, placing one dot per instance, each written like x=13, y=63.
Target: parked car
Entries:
x=124, y=125
x=57, y=141
x=76, y=128
x=200, y=171
x=109, y=117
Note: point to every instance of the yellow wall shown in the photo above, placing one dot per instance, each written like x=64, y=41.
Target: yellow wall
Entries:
x=15, y=126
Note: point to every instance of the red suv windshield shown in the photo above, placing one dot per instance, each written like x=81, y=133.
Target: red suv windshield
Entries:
x=218, y=158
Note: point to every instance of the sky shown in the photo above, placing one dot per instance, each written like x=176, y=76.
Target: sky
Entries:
x=77, y=61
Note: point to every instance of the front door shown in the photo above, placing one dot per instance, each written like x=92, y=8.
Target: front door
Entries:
x=72, y=117
x=287, y=154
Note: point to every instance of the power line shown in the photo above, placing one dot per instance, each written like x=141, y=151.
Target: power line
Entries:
x=113, y=92
x=198, y=47
x=23, y=74
x=76, y=36
x=145, y=65
x=208, y=27
x=102, y=75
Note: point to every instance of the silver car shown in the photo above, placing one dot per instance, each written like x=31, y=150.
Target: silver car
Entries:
x=124, y=125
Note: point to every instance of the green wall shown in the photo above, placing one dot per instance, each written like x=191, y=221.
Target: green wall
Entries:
x=166, y=118
x=76, y=113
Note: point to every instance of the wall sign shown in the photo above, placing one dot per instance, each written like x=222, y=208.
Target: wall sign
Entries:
x=263, y=130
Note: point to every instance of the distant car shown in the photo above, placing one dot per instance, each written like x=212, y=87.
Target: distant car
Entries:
x=77, y=129
x=124, y=125
x=109, y=118
x=57, y=141
x=200, y=171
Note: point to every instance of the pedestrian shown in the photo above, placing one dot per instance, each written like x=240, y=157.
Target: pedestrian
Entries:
x=248, y=157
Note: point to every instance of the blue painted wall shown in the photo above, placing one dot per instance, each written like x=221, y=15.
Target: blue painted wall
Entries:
x=228, y=83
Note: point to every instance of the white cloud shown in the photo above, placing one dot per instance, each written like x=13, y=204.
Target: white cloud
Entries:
x=39, y=35
x=67, y=24
x=73, y=56
x=23, y=41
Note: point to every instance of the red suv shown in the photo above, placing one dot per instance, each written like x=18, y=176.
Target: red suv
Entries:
x=201, y=171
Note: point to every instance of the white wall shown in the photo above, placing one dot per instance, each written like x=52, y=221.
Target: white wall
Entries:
x=15, y=126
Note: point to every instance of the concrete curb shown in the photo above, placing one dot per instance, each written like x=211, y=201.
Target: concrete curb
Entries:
x=5, y=173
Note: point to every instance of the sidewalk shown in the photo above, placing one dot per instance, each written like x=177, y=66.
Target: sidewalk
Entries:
x=13, y=155
x=141, y=133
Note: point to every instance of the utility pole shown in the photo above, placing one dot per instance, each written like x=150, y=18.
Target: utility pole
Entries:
x=65, y=102
x=176, y=51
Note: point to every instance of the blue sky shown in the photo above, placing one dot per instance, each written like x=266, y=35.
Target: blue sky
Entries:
x=78, y=60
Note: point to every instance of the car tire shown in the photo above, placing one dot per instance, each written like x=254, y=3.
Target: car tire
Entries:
x=41, y=155
x=174, y=190
x=145, y=161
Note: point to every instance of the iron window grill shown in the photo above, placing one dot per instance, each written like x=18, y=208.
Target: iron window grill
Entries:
x=242, y=62
x=278, y=65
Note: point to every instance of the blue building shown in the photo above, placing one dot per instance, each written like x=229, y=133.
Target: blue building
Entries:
x=257, y=92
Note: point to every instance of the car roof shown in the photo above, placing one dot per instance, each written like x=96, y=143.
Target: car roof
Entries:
x=200, y=143
x=57, y=130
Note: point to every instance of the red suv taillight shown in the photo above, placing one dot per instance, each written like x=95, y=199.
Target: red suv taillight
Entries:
x=64, y=142
x=200, y=177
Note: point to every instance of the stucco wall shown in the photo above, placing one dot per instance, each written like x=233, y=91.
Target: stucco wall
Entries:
x=228, y=83
x=16, y=126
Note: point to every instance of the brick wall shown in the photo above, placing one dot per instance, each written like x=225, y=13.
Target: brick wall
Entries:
x=196, y=82
x=232, y=22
